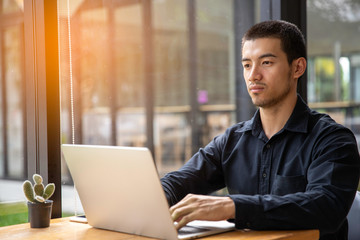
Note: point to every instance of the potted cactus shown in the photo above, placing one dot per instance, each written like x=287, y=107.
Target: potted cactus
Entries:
x=39, y=205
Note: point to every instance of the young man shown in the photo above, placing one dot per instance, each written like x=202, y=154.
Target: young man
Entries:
x=288, y=167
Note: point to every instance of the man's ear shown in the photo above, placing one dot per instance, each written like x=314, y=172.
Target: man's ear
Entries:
x=299, y=67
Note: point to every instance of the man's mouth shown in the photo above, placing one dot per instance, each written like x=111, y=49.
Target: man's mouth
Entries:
x=256, y=88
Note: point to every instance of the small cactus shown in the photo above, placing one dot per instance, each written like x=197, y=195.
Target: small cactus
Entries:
x=38, y=193
x=29, y=191
x=39, y=189
x=49, y=190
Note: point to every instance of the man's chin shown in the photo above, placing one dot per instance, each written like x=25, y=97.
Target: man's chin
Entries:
x=262, y=103
x=257, y=101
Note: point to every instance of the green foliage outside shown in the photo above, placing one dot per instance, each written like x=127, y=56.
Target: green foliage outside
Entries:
x=324, y=69
x=13, y=213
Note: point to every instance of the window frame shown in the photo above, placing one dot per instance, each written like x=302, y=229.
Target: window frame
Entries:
x=42, y=94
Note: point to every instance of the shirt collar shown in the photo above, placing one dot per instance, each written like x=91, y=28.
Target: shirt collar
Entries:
x=297, y=122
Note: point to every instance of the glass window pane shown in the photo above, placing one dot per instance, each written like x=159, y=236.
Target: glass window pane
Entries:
x=333, y=60
x=215, y=68
x=102, y=76
x=171, y=80
x=14, y=97
x=170, y=53
x=12, y=6
x=214, y=71
x=215, y=45
x=13, y=209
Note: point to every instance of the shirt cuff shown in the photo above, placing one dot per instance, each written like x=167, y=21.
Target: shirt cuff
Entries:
x=247, y=211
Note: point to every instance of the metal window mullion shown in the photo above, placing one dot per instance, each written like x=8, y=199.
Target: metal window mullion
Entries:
x=192, y=68
x=40, y=90
x=112, y=74
x=4, y=106
x=148, y=72
x=244, y=18
x=265, y=10
x=53, y=101
x=30, y=87
x=23, y=101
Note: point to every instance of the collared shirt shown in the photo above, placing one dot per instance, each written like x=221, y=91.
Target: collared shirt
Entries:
x=303, y=177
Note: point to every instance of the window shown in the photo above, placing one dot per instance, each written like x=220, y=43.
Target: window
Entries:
x=333, y=60
x=30, y=139
x=157, y=73
x=13, y=166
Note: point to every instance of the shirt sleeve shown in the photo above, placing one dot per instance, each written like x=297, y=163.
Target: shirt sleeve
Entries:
x=332, y=180
x=202, y=174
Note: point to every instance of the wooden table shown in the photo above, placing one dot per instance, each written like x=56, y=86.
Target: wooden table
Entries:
x=62, y=228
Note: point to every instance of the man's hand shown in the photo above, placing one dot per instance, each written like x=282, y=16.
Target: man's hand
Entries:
x=200, y=207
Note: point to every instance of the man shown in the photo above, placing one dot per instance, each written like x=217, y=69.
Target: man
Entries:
x=288, y=167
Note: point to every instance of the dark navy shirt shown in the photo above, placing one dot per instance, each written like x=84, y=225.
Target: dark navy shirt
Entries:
x=304, y=177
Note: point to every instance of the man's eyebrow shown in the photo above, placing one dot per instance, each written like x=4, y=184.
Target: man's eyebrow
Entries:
x=267, y=55
x=261, y=56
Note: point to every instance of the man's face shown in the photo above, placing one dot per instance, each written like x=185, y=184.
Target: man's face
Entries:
x=267, y=73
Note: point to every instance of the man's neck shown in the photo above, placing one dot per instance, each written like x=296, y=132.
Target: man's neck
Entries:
x=273, y=119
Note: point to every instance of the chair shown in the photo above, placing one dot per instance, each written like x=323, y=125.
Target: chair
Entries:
x=354, y=219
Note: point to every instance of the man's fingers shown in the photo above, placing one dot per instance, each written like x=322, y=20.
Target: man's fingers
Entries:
x=182, y=203
x=178, y=212
x=184, y=220
x=181, y=208
x=182, y=212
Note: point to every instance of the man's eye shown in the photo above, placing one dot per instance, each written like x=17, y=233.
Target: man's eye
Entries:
x=266, y=63
x=246, y=65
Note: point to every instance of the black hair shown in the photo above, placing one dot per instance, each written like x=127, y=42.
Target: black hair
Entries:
x=292, y=39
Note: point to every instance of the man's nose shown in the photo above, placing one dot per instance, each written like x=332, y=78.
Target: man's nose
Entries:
x=254, y=74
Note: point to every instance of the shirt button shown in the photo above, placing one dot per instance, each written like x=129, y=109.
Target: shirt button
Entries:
x=268, y=146
x=264, y=175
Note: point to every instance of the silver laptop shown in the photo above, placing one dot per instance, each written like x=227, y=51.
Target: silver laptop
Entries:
x=120, y=190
